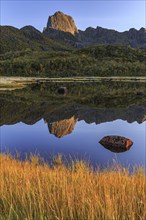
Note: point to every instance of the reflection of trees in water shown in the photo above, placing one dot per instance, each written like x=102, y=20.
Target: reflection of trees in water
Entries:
x=90, y=88
x=103, y=94
x=13, y=112
x=92, y=102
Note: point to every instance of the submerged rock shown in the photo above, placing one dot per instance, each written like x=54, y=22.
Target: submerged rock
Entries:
x=62, y=90
x=141, y=93
x=116, y=144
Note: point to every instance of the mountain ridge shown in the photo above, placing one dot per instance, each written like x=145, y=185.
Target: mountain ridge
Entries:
x=57, y=27
x=27, y=37
x=61, y=33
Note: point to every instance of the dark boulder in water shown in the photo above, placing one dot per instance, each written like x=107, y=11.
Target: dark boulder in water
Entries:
x=116, y=144
x=141, y=93
x=62, y=90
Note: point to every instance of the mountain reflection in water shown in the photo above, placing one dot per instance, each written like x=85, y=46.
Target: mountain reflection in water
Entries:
x=76, y=122
x=62, y=127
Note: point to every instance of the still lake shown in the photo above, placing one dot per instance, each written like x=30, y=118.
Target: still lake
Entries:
x=38, y=120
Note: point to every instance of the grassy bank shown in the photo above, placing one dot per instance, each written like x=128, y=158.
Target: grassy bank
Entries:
x=30, y=190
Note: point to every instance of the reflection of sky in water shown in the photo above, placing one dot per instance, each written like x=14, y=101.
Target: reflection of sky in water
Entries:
x=82, y=143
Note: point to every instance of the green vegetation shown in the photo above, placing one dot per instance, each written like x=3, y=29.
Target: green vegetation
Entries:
x=39, y=100
x=27, y=39
x=102, y=60
x=34, y=190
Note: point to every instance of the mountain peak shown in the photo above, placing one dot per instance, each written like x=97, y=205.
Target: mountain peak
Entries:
x=61, y=22
x=59, y=12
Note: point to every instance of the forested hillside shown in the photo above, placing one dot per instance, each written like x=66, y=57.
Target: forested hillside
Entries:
x=14, y=39
x=100, y=60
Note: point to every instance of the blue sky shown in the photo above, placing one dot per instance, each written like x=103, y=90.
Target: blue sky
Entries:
x=119, y=14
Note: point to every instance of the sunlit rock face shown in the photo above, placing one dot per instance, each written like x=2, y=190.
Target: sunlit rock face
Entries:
x=62, y=127
x=144, y=118
x=61, y=22
x=116, y=144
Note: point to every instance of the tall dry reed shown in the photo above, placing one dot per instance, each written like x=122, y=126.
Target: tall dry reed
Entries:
x=33, y=191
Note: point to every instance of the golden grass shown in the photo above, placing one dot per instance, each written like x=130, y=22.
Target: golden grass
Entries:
x=33, y=191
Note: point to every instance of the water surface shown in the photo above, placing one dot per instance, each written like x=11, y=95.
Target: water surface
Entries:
x=38, y=120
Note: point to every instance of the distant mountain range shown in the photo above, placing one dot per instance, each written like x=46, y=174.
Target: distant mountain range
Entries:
x=59, y=24
x=61, y=33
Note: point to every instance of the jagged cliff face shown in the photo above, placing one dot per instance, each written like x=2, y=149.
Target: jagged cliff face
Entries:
x=60, y=25
x=99, y=35
x=62, y=127
x=61, y=22
x=61, y=33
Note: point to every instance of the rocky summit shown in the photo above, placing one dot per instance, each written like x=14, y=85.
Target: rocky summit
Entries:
x=61, y=22
x=62, y=27
x=62, y=34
